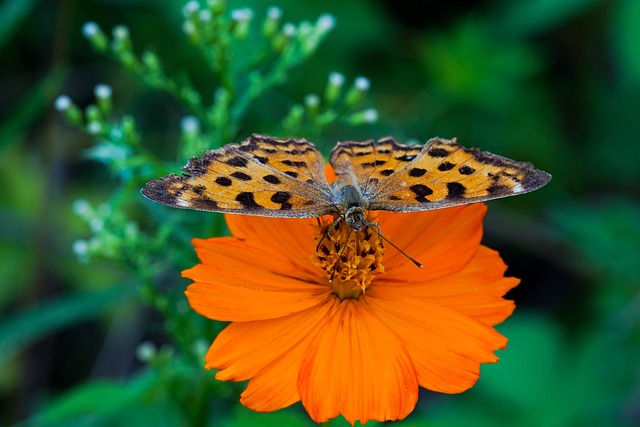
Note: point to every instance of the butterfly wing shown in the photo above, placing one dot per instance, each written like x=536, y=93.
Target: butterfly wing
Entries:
x=369, y=163
x=436, y=175
x=262, y=176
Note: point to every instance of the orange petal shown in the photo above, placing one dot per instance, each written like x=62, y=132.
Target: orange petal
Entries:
x=357, y=367
x=270, y=352
x=446, y=347
x=275, y=386
x=237, y=282
x=291, y=237
x=443, y=240
x=476, y=291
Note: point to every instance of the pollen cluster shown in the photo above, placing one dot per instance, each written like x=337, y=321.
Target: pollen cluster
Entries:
x=351, y=259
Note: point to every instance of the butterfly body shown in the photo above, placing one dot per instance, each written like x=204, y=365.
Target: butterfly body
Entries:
x=285, y=178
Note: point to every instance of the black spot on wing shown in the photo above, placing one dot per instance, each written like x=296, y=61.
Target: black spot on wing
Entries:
x=406, y=158
x=466, y=170
x=446, y=166
x=437, y=152
x=237, y=161
x=204, y=203
x=387, y=172
x=417, y=172
x=272, y=179
x=294, y=164
x=199, y=189
x=292, y=174
x=261, y=159
x=373, y=164
x=362, y=153
x=224, y=181
x=421, y=191
x=241, y=176
x=282, y=198
x=455, y=190
x=246, y=200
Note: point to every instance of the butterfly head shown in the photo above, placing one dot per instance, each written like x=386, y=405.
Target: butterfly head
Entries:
x=355, y=218
x=351, y=206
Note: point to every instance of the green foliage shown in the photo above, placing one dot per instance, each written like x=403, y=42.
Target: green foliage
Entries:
x=246, y=60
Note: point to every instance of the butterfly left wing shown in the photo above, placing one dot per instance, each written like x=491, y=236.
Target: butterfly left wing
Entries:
x=439, y=174
x=262, y=176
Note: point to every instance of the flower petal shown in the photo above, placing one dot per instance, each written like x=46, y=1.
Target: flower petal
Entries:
x=291, y=237
x=269, y=352
x=446, y=347
x=476, y=291
x=442, y=240
x=237, y=282
x=358, y=368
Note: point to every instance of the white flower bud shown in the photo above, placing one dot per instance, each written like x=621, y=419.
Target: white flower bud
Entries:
x=62, y=103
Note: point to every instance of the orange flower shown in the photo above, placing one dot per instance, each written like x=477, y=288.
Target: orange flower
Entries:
x=361, y=345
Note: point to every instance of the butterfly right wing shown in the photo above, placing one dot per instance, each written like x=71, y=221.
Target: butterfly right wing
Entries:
x=438, y=174
x=262, y=176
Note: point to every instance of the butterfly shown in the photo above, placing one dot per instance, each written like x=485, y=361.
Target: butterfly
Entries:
x=285, y=178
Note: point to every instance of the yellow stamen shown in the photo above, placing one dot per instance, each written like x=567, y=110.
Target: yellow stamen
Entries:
x=353, y=267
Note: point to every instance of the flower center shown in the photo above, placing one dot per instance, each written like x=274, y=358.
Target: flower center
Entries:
x=351, y=258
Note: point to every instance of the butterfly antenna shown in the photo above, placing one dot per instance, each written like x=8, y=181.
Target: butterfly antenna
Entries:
x=335, y=266
x=371, y=226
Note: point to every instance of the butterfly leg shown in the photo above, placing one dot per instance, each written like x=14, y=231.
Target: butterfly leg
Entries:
x=329, y=230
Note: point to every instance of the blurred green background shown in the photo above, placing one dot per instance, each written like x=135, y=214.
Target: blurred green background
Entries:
x=556, y=83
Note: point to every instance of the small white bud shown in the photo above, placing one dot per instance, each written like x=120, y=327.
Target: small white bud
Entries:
x=370, y=115
x=362, y=83
x=274, y=13
x=190, y=8
x=200, y=347
x=120, y=32
x=205, y=15
x=62, y=103
x=326, y=22
x=312, y=100
x=81, y=207
x=94, y=128
x=102, y=91
x=289, y=30
x=240, y=15
x=80, y=248
x=146, y=351
x=336, y=79
x=96, y=224
x=90, y=29
x=188, y=27
x=190, y=124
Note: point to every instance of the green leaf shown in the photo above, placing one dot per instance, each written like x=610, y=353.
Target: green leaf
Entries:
x=285, y=417
x=626, y=37
x=12, y=13
x=533, y=16
x=97, y=403
x=22, y=329
x=27, y=110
